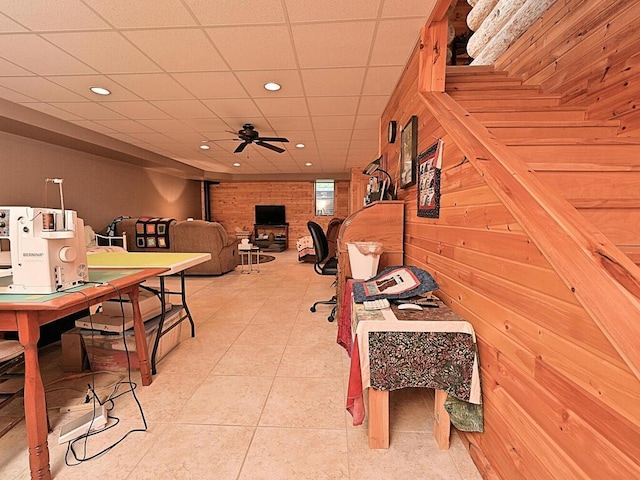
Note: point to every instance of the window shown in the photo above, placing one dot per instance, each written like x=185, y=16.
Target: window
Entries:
x=324, y=197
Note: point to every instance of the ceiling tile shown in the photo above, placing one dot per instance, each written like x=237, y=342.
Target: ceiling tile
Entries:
x=40, y=89
x=125, y=126
x=53, y=111
x=47, y=15
x=408, y=8
x=238, y=12
x=324, y=135
x=367, y=121
x=343, y=44
x=314, y=11
x=332, y=122
x=143, y=13
x=89, y=111
x=152, y=86
x=205, y=125
x=39, y=56
x=167, y=48
x=232, y=107
x=390, y=35
x=167, y=125
x=372, y=104
x=8, y=69
x=254, y=82
x=137, y=110
x=95, y=126
x=13, y=96
x=10, y=26
x=106, y=52
x=381, y=80
x=291, y=123
x=211, y=84
x=254, y=48
x=81, y=84
x=333, y=81
x=184, y=108
x=333, y=105
x=282, y=107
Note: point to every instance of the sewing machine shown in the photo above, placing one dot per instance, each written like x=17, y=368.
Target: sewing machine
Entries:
x=47, y=250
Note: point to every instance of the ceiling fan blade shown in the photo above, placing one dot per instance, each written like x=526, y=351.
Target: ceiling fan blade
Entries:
x=241, y=147
x=270, y=147
x=273, y=139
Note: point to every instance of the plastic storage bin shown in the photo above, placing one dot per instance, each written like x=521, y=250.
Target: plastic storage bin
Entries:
x=364, y=258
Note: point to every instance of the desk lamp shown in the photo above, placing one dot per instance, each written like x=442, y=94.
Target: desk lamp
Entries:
x=374, y=167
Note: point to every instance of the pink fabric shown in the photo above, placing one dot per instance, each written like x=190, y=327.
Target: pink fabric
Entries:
x=344, y=322
x=355, y=399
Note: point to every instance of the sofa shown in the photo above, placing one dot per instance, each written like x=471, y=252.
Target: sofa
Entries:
x=189, y=236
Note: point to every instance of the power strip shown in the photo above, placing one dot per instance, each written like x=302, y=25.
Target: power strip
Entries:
x=93, y=420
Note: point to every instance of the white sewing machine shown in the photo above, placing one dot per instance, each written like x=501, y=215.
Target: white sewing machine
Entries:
x=47, y=250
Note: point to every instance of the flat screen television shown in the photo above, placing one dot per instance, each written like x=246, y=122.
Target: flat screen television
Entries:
x=270, y=215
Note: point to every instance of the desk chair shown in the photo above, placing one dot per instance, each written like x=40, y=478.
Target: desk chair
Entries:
x=324, y=265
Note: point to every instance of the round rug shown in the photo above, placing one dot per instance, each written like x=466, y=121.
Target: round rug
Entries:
x=263, y=258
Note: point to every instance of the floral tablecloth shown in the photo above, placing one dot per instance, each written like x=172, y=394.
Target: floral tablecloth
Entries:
x=433, y=348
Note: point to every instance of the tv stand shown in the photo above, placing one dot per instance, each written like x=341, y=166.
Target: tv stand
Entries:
x=271, y=238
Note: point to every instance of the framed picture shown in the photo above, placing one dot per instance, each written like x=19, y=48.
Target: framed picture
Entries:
x=408, y=152
x=429, y=167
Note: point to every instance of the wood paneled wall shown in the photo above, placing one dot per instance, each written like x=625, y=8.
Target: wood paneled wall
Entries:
x=559, y=401
x=232, y=204
x=554, y=51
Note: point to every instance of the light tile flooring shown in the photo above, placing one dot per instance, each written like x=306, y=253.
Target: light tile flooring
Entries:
x=259, y=393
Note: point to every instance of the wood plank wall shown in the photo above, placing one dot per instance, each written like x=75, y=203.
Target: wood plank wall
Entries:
x=232, y=204
x=559, y=402
x=605, y=31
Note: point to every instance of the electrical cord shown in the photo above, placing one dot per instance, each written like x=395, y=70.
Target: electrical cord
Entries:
x=71, y=453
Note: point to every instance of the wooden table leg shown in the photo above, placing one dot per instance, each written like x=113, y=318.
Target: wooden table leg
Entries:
x=442, y=421
x=141, y=338
x=378, y=418
x=35, y=408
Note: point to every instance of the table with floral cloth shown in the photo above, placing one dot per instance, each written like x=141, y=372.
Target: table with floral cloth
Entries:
x=392, y=349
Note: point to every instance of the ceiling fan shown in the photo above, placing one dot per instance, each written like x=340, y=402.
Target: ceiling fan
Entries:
x=248, y=135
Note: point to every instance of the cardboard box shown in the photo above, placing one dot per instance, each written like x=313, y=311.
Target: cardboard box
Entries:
x=107, y=351
x=74, y=355
x=150, y=306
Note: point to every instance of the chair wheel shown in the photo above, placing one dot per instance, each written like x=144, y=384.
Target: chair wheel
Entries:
x=313, y=309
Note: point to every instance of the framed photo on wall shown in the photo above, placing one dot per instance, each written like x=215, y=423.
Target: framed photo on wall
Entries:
x=408, y=152
x=429, y=167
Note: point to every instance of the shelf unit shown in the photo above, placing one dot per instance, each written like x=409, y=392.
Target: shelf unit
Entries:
x=280, y=240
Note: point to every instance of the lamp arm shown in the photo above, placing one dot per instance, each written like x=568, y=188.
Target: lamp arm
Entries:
x=391, y=186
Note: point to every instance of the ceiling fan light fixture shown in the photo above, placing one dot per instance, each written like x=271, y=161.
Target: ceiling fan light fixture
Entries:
x=100, y=91
x=272, y=86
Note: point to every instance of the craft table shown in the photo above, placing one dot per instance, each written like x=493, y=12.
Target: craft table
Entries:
x=387, y=354
x=171, y=263
x=26, y=313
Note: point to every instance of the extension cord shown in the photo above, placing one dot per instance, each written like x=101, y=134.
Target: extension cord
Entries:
x=93, y=420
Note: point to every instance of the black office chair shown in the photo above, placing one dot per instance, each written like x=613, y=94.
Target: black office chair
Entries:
x=323, y=265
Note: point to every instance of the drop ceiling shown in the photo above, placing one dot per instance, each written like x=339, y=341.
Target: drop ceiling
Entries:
x=186, y=71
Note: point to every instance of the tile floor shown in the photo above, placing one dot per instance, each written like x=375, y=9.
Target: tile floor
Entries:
x=259, y=393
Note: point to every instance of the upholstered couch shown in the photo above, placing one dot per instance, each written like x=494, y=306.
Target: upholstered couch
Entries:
x=191, y=236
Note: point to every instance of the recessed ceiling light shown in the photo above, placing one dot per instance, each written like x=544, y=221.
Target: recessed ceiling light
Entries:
x=299, y=145
x=272, y=86
x=236, y=164
x=100, y=91
x=308, y=164
x=204, y=147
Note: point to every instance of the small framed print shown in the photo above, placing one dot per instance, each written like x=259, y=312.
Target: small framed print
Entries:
x=429, y=177
x=408, y=152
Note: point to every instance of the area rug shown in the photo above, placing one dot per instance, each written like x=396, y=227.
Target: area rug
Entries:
x=263, y=258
